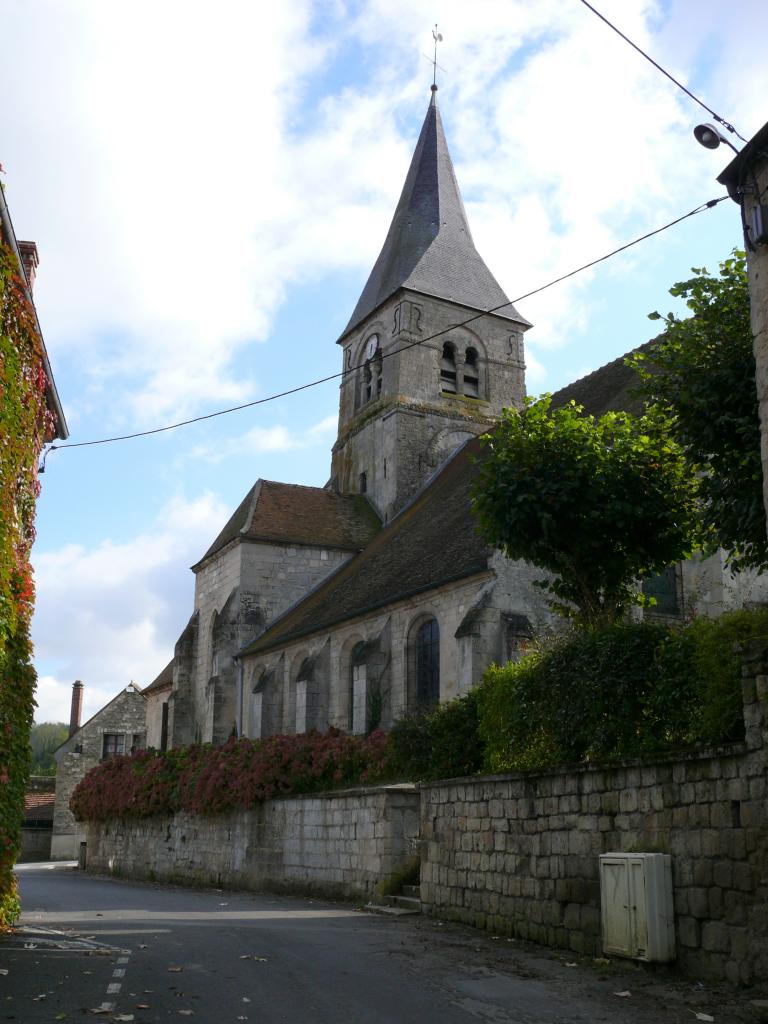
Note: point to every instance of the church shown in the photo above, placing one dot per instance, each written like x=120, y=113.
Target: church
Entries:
x=351, y=604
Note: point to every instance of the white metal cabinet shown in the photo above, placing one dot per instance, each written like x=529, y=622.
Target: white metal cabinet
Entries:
x=636, y=905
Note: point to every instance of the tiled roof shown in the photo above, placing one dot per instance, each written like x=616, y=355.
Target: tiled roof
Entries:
x=607, y=389
x=163, y=682
x=429, y=246
x=430, y=543
x=38, y=806
x=294, y=514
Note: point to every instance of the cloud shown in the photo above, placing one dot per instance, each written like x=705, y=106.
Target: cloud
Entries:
x=267, y=440
x=112, y=613
x=176, y=208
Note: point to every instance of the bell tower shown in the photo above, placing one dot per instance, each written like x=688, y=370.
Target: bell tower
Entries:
x=418, y=379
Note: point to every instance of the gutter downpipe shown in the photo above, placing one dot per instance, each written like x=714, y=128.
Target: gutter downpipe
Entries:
x=5, y=217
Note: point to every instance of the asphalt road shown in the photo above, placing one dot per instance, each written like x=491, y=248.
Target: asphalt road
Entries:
x=93, y=948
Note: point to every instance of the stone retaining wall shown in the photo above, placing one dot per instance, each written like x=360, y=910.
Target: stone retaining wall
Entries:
x=336, y=844
x=518, y=854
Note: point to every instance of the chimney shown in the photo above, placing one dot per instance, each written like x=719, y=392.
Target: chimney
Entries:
x=30, y=259
x=77, y=707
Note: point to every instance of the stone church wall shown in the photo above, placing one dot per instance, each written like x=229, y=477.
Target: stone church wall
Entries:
x=237, y=592
x=388, y=634
x=334, y=844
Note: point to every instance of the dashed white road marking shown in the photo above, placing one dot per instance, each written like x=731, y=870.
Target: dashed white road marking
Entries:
x=119, y=972
x=113, y=988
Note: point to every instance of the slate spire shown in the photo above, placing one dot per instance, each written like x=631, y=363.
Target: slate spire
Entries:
x=429, y=246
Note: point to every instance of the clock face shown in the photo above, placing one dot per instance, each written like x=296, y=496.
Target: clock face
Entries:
x=372, y=347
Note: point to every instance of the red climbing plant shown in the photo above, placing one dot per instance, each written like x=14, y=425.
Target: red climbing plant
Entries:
x=24, y=420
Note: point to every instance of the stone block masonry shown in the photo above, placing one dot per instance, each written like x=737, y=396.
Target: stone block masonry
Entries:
x=339, y=844
x=518, y=854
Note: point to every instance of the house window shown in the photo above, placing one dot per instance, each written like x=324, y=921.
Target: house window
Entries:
x=448, y=369
x=427, y=651
x=113, y=745
x=471, y=373
x=363, y=483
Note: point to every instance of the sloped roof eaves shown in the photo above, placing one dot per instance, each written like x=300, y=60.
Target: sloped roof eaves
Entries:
x=296, y=515
x=321, y=627
x=163, y=682
x=607, y=389
x=233, y=527
x=432, y=542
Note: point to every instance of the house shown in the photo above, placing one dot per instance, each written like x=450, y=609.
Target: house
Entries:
x=118, y=728
x=350, y=604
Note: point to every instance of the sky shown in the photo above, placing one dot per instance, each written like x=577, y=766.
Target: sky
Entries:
x=209, y=186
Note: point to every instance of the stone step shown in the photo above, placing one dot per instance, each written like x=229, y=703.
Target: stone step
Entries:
x=381, y=908
x=414, y=891
x=412, y=903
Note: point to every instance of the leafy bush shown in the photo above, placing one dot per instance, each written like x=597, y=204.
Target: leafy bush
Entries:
x=717, y=667
x=211, y=780
x=620, y=691
x=439, y=744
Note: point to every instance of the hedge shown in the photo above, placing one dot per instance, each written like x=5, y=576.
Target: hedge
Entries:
x=623, y=691
x=204, y=779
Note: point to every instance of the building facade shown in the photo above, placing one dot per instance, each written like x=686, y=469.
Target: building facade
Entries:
x=352, y=604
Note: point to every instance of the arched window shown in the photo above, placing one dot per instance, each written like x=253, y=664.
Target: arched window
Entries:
x=357, y=689
x=367, y=382
x=448, y=369
x=427, y=663
x=471, y=373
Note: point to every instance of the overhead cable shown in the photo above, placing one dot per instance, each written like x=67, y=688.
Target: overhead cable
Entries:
x=421, y=341
x=709, y=110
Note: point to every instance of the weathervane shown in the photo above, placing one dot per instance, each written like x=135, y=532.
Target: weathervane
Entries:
x=437, y=36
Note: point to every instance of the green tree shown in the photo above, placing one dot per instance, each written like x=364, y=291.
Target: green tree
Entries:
x=597, y=503
x=701, y=373
x=43, y=740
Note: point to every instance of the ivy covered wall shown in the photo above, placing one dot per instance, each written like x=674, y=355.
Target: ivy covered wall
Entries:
x=24, y=423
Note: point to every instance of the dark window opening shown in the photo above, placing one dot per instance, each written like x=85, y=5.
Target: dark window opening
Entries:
x=164, y=728
x=664, y=588
x=448, y=369
x=428, y=663
x=113, y=745
x=368, y=382
x=363, y=483
x=471, y=374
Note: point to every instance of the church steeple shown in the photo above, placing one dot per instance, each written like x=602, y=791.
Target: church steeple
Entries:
x=429, y=246
x=422, y=371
